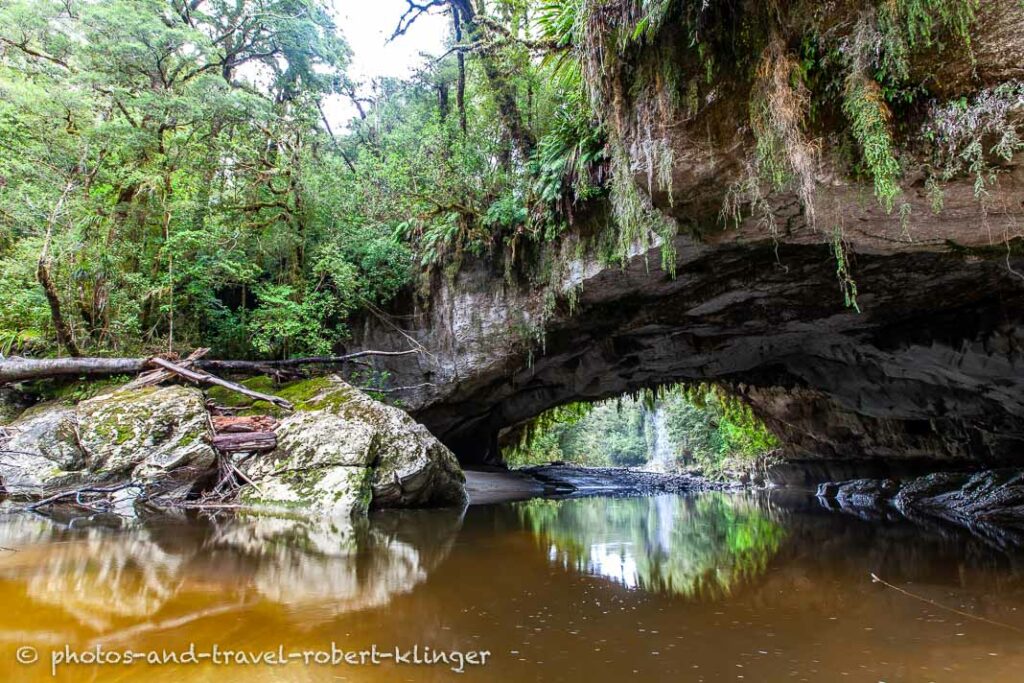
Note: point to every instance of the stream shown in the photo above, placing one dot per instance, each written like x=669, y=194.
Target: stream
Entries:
x=708, y=586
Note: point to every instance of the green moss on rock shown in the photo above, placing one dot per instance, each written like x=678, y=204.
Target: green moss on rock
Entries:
x=232, y=399
x=341, y=451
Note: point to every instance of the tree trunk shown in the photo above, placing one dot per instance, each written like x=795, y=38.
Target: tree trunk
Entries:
x=246, y=441
x=460, y=57
x=504, y=92
x=206, y=378
x=23, y=369
x=64, y=336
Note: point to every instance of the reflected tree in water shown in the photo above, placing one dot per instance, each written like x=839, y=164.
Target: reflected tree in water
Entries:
x=703, y=547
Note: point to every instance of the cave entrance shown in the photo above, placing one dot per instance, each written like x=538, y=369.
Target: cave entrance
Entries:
x=673, y=429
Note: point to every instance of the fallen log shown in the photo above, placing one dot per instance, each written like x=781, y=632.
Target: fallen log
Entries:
x=159, y=375
x=229, y=424
x=260, y=367
x=206, y=378
x=24, y=369
x=246, y=441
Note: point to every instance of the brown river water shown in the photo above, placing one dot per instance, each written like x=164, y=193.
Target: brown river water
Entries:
x=708, y=587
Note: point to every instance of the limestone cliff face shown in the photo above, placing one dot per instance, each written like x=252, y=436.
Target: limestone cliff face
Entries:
x=931, y=364
x=930, y=367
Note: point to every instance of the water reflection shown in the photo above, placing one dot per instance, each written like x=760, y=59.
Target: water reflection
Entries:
x=691, y=546
x=106, y=578
x=686, y=588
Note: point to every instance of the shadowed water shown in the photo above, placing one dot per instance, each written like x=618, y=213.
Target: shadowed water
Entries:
x=677, y=588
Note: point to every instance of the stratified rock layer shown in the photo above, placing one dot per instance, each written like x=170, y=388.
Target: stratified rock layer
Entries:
x=985, y=499
x=930, y=367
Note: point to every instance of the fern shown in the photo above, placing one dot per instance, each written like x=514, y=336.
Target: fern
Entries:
x=869, y=119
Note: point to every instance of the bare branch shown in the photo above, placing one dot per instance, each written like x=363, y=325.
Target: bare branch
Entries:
x=412, y=13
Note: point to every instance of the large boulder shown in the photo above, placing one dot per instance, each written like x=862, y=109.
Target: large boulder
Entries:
x=337, y=452
x=41, y=449
x=157, y=437
x=341, y=449
x=149, y=434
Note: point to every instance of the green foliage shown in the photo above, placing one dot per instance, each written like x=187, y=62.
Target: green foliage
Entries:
x=566, y=157
x=702, y=548
x=704, y=427
x=920, y=19
x=842, y=258
x=203, y=203
x=958, y=131
x=869, y=119
x=179, y=156
x=24, y=315
x=73, y=392
x=726, y=428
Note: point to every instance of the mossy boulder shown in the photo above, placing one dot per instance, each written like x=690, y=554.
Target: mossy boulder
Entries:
x=158, y=437
x=153, y=433
x=42, y=448
x=338, y=452
x=12, y=403
x=341, y=451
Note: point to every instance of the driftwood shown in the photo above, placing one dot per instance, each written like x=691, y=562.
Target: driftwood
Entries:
x=226, y=424
x=154, y=377
x=24, y=369
x=206, y=378
x=245, y=441
x=77, y=494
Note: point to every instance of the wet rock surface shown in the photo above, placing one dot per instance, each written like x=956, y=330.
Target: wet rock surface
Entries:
x=496, y=485
x=859, y=492
x=988, y=499
x=571, y=480
x=994, y=496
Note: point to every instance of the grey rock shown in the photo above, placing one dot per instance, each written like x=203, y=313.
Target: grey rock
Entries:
x=157, y=437
x=864, y=493
x=341, y=450
x=991, y=496
x=41, y=449
x=828, y=490
x=154, y=435
x=338, y=452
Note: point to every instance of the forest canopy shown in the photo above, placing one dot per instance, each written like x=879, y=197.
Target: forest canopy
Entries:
x=169, y=178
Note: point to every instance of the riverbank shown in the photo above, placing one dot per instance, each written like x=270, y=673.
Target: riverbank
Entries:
x=493, y=485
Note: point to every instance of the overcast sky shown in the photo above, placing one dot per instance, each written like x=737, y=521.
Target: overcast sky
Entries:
x=366, y=25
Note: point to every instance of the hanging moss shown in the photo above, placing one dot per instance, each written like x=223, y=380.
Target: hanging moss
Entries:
x=870, y=120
